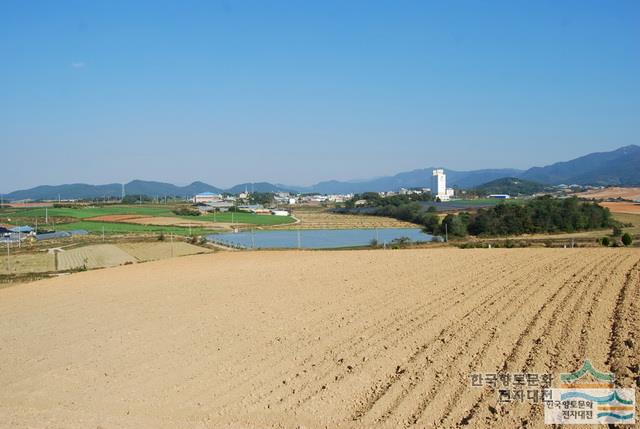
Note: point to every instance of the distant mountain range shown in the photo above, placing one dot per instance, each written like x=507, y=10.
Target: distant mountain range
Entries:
x=411, y=179
x=620, y=167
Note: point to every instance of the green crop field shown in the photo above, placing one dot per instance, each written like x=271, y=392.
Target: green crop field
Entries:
x=86, y=212
x=79, y=218
x=128, y=228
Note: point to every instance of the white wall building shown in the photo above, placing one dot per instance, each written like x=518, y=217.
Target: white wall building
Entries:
x=280, y=212
x=439, y=185
x=206, y=197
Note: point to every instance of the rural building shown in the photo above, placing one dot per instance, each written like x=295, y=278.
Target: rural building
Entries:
x=254, y=208
x=221, y=206
x=280, y=212
x=439, y=185
x=60, y=234
x=500, y=196
x=22, y=229
x=52, y=235
x=207, y=197
x=13, y=237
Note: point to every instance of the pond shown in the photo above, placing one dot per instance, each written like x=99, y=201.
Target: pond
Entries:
x=317, y=238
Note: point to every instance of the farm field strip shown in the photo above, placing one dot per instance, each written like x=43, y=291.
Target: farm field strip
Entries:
x=622, y=207
x=160, y=250
x=340, y=339
x=129, y=228
x=319, y=219
x=94, y=256
x=628, y=193
x=124, y=219
x=28, y=263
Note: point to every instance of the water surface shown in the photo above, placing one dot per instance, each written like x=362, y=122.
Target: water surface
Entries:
x=317, y=238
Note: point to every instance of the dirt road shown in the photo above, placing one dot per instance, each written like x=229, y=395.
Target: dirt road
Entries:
x=312, y=339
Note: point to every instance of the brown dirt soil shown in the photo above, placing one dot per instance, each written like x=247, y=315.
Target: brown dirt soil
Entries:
x=93, y=256
x=161, y=221
x=114, y=218
x=622, y=207
x=320, y=219
x=27, y=263
x=174, y=221
x=289, y=339
x=613, y=192
x=149, y=251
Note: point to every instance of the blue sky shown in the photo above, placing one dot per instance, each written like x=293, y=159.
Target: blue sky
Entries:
x=298, y=91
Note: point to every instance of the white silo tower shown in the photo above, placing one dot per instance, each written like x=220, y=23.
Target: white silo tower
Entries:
x=439, y=184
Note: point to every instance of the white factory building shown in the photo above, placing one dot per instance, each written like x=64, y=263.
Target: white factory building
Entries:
x=206, y=197
x=439, y=185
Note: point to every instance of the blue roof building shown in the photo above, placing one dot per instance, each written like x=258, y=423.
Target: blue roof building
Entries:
x=23, y=229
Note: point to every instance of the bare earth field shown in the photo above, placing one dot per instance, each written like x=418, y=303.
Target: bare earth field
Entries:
x=312, y=218
x=312, y=339
x=94, y=256
x=160, y=221
x=32, y=263
x=612, y=192
x=160, y=250
x=622, y=207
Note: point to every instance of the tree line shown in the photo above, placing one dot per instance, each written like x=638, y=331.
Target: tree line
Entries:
x=543, y=214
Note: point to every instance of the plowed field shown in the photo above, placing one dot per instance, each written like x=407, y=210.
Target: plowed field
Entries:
x=312, y=339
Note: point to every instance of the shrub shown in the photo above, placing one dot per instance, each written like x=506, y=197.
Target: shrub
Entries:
x=626, y=239
x=605, y=241
x=617, y=231
x=399, y=242
x=184, y=211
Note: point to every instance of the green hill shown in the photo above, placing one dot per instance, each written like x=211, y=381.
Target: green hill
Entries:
x=511, y=186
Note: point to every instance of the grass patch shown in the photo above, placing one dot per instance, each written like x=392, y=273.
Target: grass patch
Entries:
x=129, y=228
x=86, y=212
x=629, y=218
x=27, y=216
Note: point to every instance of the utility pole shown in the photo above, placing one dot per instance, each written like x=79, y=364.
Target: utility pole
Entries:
x=46, y=215
x=102, y=232
x=8, y=256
